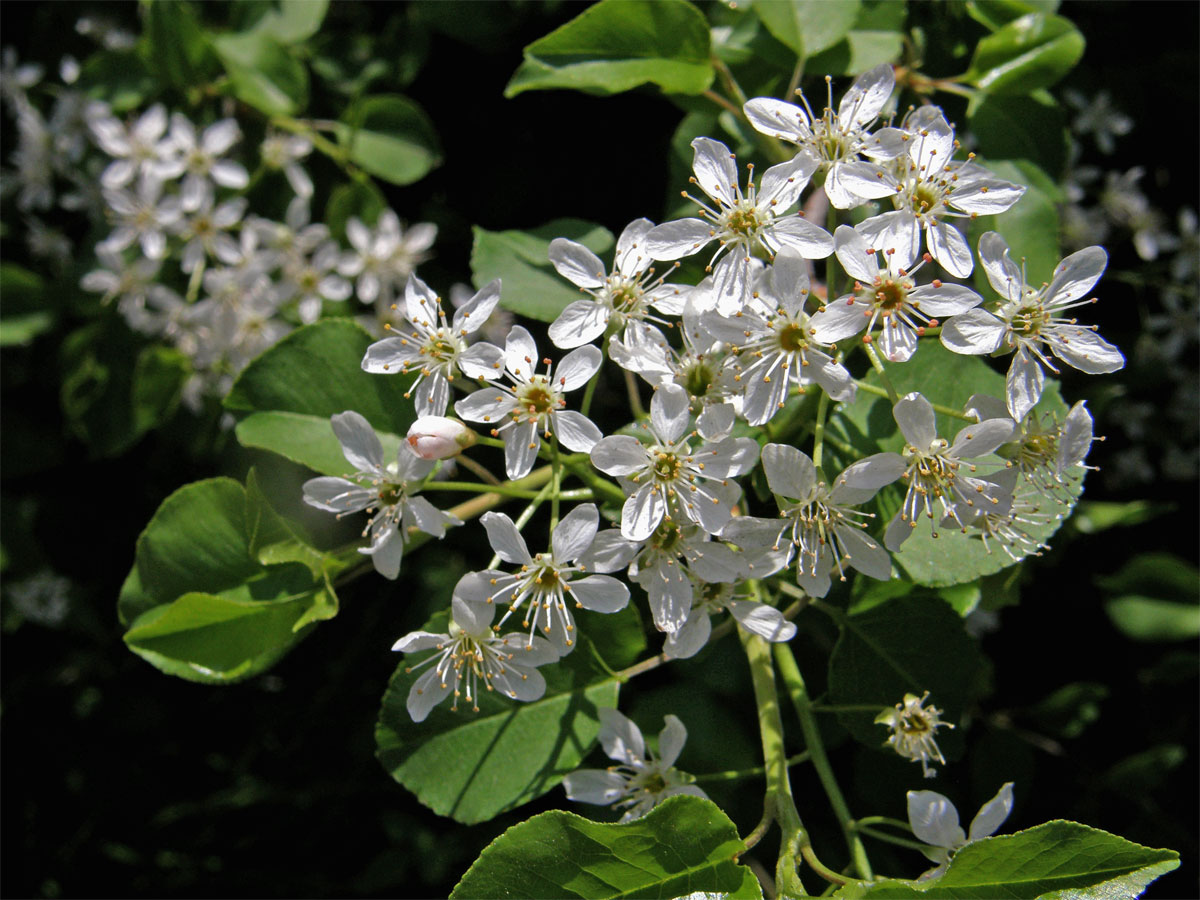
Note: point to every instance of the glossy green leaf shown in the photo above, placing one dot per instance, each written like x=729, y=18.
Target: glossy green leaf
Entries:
x=220, y=639
x=308, y=440
x=617, y=45
x=684, y=845
x=263, y=72
x=877, y=36
x=529, y=284
x=473, y=766
x=1055, y=861
x=292, y=21
x=391, y=137
x=1028, y=126
x=807, y=26
x=1151, y=619
x=316, y=371
x=908, y=645
x=1100, y=515
x=1031, y=52
x=997, y=13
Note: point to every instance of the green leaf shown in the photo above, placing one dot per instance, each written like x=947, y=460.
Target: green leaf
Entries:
x=1151, y=619
x=361, y=199
x=263, y=72
x=807, y=26
x=473, y=766
x=158, y=379
x=1139, y=775
x=618, y=45
x=997, y=13
x=908, y=645
x=1157, y=574
x=292, y=21
x=391, y=137
x=218, y=639
x=1030, y=127
x=530, y=285
x=1031, y=52
x=1070, y=709
x=21, y=329
x=175, y=45
x=316, y=371
x=1055, y=861
x=308, y=440
x=1100, y=515
x=684, y=845
x=119, y=78
x=25, y=312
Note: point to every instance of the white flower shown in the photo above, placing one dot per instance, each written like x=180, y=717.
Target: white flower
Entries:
x=544, y=583
x=667, y=478
x=310, y=280
x=818, y=521
x=712, y=598
x=640, y=780
x=472, y=657
x=888, y=295
x=383, y=258
x=437, y=348
x=913, y=730
x=534, y=406
x=135, y=149
x=436, y=437
x=143, y=216
x=284, y=151
x=741, y=222
x=673, y=554
x=200, y=159
x=836, y=138
x=622, y=296
x=934, y=820
x=775, y=350
x=388, y=493
x=1030, y=319
x=205, y=231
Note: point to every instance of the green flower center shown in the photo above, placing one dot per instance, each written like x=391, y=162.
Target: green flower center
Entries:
x=667, y=467
x=791, y=338
x=537, y=397
x=697, y=379
x=890, y=294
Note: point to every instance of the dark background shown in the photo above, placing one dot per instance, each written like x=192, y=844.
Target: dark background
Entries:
x=120, y=781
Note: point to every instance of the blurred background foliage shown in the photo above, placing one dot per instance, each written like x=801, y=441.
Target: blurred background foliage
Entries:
x=118, y=780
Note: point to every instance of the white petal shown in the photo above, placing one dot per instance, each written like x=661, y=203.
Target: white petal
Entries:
x=595, y=786
x=632, y=257
x=974, y=332
x=473, y=314
x=790, y=472
x=1023, y=386
x=609, y=552
x=778, y=119
x=716, y=170
x=934, y=819
x=690, y=638
x=576, y=431
x=420, y=640
x=642, y=513
x=621, y=739
x=949, y=248
x=671, y=740
x=337, y=495
x=521, y=445
x=520, y=352
x=481, y=360
x=577, y=263
x=580, y=323
x=1085, y=350
x=487, y=405
x=675, y=240
x=992, y=814
x=1002, y=273
x=865, y=99
x=360, y=444
x=765, y=621
x=577, y=368
x=840, y=319
x=669, y=412
x=980, y=440
x=469, y=606
x=1076, y=275
x=426, y=693
x=390, y=356
x=782, y=184
x=505, y=539
x=865, y=554
x=386, y=550
x=619, y=454
x=575, y=533
x=809, y=240
x=897, y=341
x=670, y=593
x=915, y=417
x=873, y=472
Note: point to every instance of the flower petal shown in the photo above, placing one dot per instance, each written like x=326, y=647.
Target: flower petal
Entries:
x=505, y=539
x=575, y=533
x=577, y=263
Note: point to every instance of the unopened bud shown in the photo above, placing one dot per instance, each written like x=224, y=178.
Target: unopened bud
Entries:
x=437, y=437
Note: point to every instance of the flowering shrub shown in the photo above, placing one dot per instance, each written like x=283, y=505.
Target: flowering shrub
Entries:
x=771, y=413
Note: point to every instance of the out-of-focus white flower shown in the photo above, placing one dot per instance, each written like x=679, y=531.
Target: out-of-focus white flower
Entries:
x=201, y=159
x=386, y=491
x=437, y=437
x=1098, y=117
x=914, y=730
x=205, y=230
x=382, y=259
x=135, y=149
x=742, y=222
x=640, y=780
x=143, y=215
x=934, y=820
x=470, y=657
x=284, y=152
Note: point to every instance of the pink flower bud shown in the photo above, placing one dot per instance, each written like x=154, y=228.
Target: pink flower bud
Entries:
x=437, y=437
